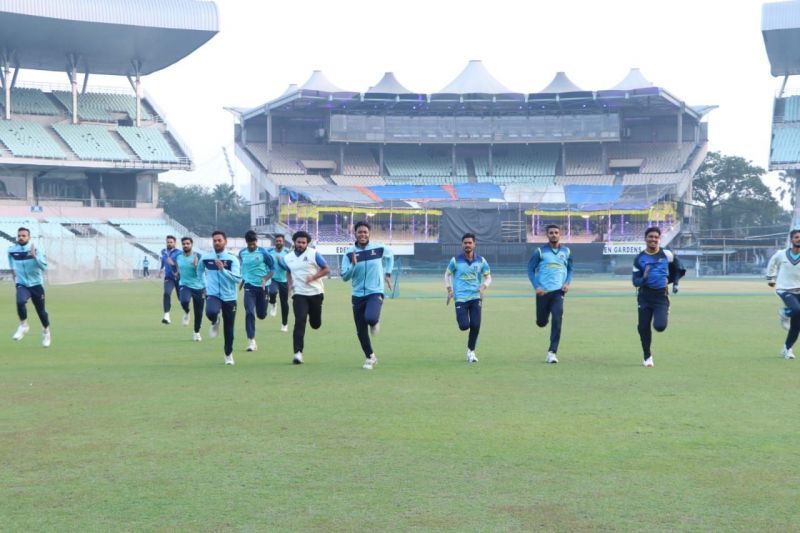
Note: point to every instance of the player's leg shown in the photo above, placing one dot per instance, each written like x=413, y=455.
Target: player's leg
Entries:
x=315, y=311
x=462, y=315
x=556, y=311
x=198, y=302
x=300, y=305
x=37, y=298
x=474, y=324
x=23, y=295
x=228, y=322
x=542, y=309
x=250, y=311
x=792, y=302
x=261, y=303
x=362, y=327
x=169, y=286
x=661, y=313
x=645, y=318
x=283, y=292
x=213, y=307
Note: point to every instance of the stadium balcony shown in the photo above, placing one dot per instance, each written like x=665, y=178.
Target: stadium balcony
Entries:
x=604, y=179
x=103, y=107
x=298, y=180
x=656, y=158
x=415, y=162
x=357, y=181
x=359, y=161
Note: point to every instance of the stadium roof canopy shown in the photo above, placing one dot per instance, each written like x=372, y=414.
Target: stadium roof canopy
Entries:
x=780, y=26
x=116, y=37
x=476, y=91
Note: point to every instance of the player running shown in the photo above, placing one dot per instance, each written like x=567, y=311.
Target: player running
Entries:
x=783, y=273
x=466, y=278
x=278, y=285
x=653, y=270
x=27, y=267
x=192, y=286
x=170, y=274
x=550, y=272
x=222, y=272
x=257, y=269
x=368, y=266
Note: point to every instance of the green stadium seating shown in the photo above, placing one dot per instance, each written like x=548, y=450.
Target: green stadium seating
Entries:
x=99, y=107
x=91, y=141
x=785, y=145
x=27, y=101
x=148, y=143
x=29, y=139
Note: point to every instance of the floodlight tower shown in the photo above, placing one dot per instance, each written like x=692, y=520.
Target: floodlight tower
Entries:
x=780, y=26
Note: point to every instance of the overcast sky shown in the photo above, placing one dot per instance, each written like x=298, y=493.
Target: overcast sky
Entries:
x=702, y=51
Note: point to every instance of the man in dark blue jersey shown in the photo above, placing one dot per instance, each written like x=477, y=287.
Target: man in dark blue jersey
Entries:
x=169, y=269
x=653, y=270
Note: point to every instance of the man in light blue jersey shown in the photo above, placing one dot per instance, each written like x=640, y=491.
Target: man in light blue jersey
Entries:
x=367, y=266
x=222, y=272
x=27, y=266
x=550, y=273
x=192, y=285
x=466, y=278
x=257, y=268
x=170, y=274
x=279, y=285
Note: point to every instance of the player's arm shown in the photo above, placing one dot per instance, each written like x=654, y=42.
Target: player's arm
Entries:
x=487, y=278
x=39, y=257
x=347, y=268
x=533, y=270
x=773, y=267
x=638, y=276
x=448, y=277
x=675, y=272
x=11, y=264
x=568, y=280
x=323, y=271
x=388, y=265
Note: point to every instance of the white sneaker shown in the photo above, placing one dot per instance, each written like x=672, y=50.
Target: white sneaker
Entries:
x=551, y=358
x=22, y=329
x=285, y=328
x=229, y=360
x=273, y=309
x=786, y=322
x=196, y=337
x=471, y=357
x=298, y=358
x=374, y=330
x=213, y=331
x=252, y=346
x=165, y=319
x=648, y=363
x=370, y=362
x=787, y=353
x=46, y=338
x=185, y=320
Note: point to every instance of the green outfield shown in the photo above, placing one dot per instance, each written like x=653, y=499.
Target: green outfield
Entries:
x=125, y=424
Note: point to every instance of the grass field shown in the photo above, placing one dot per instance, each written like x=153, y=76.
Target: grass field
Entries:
x=125, y=424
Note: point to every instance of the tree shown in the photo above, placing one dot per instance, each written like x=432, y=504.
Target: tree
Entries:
x=733, y=195
x=786, y=189
x=203, y=211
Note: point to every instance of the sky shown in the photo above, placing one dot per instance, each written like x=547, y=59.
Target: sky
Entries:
x=702, y=51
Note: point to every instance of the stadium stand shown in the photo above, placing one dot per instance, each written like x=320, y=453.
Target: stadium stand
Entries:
x=29, y=139
x=359, y=161
x=29, y=101
x=605, y=179
x=791, y=110
x=91, y=141
x=424, y=164
x=785, y=144
x=657, y=158
x=519, y=164
x=148, y=143
x=102, y=107
x=584, y=160
x=295, y=180
x=357, y=181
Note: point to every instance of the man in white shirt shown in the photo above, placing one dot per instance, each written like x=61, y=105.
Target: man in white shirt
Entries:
x=305, y=268
x=783, y=273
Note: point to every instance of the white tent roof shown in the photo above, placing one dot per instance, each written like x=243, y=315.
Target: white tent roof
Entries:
x=634, y=80
x=561, y=84
x=318, y=82
x=475, y=79
x=291, y=89
x=388, y=85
